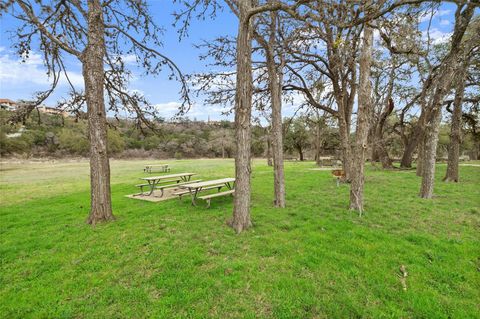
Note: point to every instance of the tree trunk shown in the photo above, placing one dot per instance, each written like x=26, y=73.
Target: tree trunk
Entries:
x=223, y=148
x=269, y=150
x=300, y=153
x=361, y=133
x=456, y=129
x=379, y=149
x=420, y=156
x=92, y=63
x=275, y=82
x=243, y=109
x=429, y=156
x=415, y=137
x=345, y=148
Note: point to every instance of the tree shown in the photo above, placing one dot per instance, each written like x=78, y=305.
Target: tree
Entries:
x=297, y=136
x=275, y=82
x=99, y=35
x=441, y=81
x=361, y=133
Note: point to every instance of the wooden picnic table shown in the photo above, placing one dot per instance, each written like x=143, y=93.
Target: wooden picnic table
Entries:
x=195, y=188
x=150, y=167
x=153, y=181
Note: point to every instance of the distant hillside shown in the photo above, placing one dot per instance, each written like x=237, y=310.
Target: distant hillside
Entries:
x=54, y=135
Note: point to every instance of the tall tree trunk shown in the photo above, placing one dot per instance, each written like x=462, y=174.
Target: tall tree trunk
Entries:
x=275, y=82
x=456, y=128
x=243, y=109
x=361, y=133
x=92, y=62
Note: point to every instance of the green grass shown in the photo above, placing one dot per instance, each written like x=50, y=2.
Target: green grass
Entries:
x=314, y=259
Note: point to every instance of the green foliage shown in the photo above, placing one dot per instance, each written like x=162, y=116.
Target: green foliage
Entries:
x=73, y=141
x=116, y=144
x=313, y=259
x=16, y=145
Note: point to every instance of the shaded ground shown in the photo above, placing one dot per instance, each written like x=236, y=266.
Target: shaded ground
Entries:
x=314, y=259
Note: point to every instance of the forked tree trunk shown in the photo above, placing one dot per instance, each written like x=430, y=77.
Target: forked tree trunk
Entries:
x=415, y=137
x=456, y=128
x=92, y=63
x=361, y=134
x=379, y=148
x=243, y=109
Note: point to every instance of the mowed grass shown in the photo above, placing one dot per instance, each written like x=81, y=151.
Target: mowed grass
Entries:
x=314, y=259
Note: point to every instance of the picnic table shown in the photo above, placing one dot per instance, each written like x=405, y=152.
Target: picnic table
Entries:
x=171, y=180
x=161, y=167
x=194, y=188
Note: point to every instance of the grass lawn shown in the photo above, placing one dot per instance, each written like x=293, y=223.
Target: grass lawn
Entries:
x=314, y=259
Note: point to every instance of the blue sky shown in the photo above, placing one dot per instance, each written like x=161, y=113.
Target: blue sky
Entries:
x=20, y=80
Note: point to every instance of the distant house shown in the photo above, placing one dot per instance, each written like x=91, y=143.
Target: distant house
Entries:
x=9, y=105
x=52, y=110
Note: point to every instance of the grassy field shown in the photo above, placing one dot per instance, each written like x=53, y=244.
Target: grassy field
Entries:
x=314, y=259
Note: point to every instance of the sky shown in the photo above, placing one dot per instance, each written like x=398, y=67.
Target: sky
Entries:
x=20, y=80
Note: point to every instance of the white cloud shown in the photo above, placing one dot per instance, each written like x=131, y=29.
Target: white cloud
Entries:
x=129, y=58
x=437, y=36
x=445, y=22
x=15, y=72
x=436, y=15
x=200, y=111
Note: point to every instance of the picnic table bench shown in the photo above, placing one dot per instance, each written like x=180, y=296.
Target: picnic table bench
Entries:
x=167, y=181
x=194, y=188
x=159, y=167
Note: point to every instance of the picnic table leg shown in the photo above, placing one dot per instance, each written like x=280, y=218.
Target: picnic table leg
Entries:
x=193, y=194
x=152, y=187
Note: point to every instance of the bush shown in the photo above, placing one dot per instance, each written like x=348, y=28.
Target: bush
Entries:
x=116, y=144
x=73, y=141
x=22, y=144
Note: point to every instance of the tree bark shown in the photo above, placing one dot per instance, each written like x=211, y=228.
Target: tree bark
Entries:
x=300, y=153
x=429, y=156
x=243, y=109
x=274, y=77
x=269, y=150
x=345, y=147
x=415, y=137
x=92, y=64
x=456, y=128
x=361, y=133
x=420, y=156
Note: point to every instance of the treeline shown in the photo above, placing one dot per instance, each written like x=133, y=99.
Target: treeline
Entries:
x=57, y=136
x=307, y=137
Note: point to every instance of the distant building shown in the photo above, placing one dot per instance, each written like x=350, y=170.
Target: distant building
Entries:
x=52, y=110
x=8, y=105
